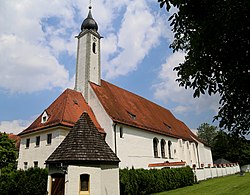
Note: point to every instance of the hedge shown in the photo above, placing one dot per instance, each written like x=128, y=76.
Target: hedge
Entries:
x=19, y=182
x=141, y=181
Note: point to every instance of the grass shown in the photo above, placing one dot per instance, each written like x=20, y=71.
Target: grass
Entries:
x=233, y=184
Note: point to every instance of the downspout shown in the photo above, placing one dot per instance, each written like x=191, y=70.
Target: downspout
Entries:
x=114, y=125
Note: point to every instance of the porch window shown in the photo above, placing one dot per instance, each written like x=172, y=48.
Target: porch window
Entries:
x=84, y=184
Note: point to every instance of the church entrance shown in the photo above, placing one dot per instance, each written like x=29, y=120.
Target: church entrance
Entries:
x=58, y=184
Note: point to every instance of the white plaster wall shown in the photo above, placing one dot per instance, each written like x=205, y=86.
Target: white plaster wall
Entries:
x=110, y=180
x=95, y=61
x=88, y=62
x=135, y=148
x=200, y=174
x=214, y=172
x=206, y=173
x=205, y=154
x=80, y=83
x=43, y=151
x=219, y=172
x=245, y=168
x=208, y=156
x=102, y=117
x=72, y=179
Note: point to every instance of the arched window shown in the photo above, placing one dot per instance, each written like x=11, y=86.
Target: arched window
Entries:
x=84, y=185
x=169, y=149
x=163, y=143
x=155, y=145
x=94, y=47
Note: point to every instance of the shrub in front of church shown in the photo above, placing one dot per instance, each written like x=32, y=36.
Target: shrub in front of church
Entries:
x=19, y=182
x=140, y=181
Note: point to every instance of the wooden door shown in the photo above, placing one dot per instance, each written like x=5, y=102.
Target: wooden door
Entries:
x=58, y=184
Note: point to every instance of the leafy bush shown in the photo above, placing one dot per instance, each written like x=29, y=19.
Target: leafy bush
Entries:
x=20, y=182
x=141, y=182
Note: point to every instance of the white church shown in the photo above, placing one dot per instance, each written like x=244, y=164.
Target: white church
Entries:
x=88, y=133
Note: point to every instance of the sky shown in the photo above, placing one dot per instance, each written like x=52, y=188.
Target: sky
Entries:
x=38, y=57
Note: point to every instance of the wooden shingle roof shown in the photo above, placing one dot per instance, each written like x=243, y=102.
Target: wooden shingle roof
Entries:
x=83, y=144
x=65, y=111
x=130, y=109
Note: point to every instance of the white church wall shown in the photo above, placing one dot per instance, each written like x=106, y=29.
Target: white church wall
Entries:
x=102, y=117
x=135, y=148
x=208, y=156
x=205, y=155
x=39, y=153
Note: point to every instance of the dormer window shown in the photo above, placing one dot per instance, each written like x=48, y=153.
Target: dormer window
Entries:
x=45, y=117
x=133, y=116
x=168, y=126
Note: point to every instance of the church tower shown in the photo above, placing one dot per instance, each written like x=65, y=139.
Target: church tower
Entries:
x=88, y=56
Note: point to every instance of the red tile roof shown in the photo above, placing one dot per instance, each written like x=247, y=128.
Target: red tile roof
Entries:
x=83, y=144
x=65, y=110
x=15, y=138
x=130, y=109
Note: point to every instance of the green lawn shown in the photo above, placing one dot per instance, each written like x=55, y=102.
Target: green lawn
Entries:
x=234, y=184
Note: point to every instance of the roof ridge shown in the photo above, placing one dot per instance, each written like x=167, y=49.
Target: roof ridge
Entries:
x=64, y=106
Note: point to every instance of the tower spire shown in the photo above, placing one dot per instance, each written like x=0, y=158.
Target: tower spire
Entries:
x=89, y=22
x=90, y=4
x=88, y=55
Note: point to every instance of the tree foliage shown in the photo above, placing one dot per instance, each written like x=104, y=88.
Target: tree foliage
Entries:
x=215, y=37
x=8, y=152
x=231, y=147
x=207, y=133
x=20, y=182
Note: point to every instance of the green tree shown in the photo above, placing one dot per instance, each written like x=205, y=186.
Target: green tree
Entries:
x=231, y=147
x=207, y=133
x=19, y=182
x=221, y=146
x=215, y=35
x=8, y=152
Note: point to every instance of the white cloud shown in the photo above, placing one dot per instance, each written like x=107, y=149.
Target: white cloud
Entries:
x=15, y=126
x=28, y=56
x=29, y=67
x=140, y=31
x=45, y=29
x=168, y=90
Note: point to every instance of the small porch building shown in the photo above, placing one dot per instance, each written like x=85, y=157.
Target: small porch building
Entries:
x=83, y=163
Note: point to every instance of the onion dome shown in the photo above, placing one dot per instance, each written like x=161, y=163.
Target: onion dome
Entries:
x=89, y=23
